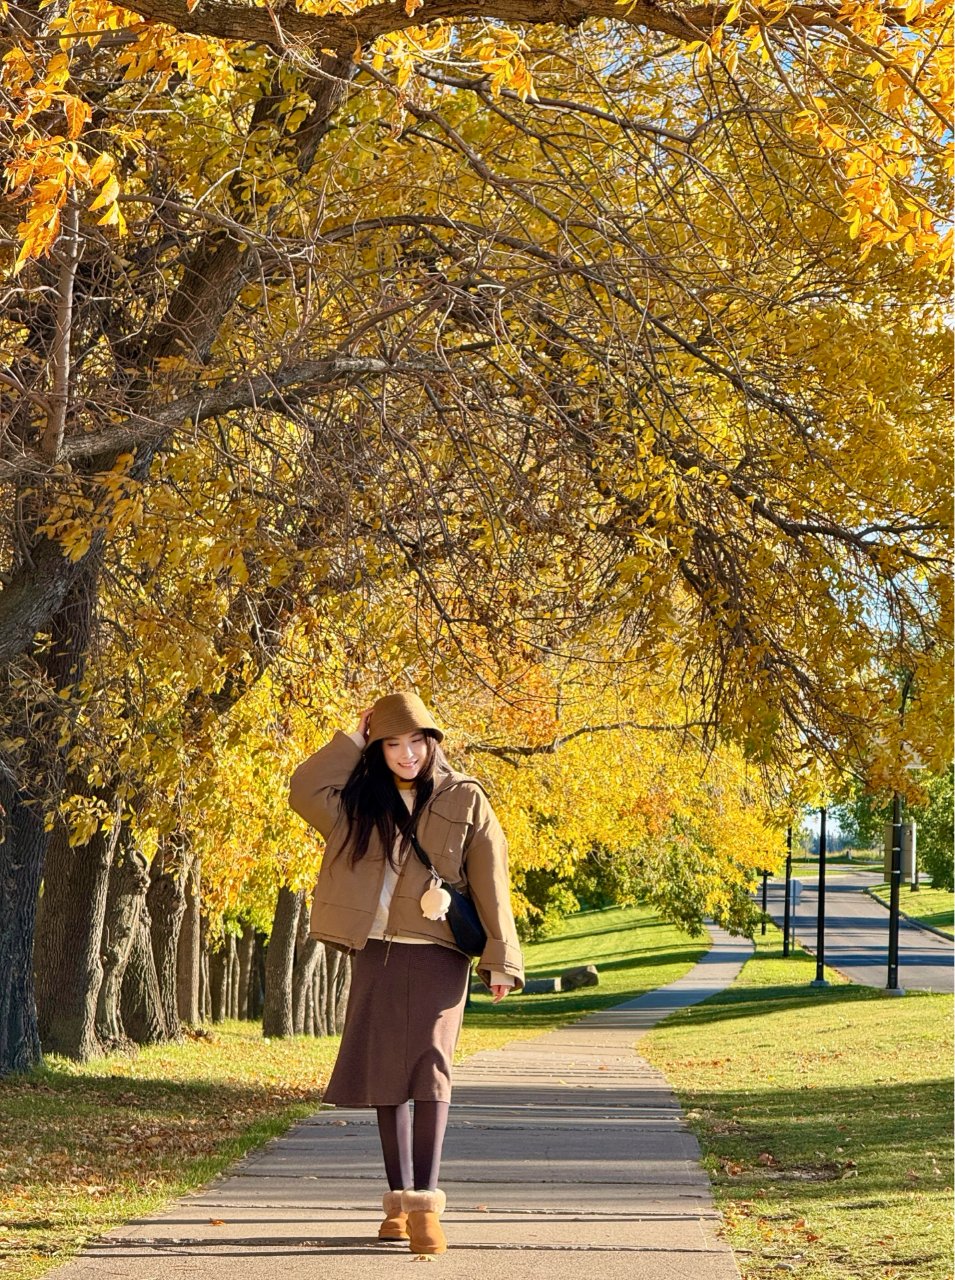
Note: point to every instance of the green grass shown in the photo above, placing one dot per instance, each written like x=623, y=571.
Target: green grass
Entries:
x=84, y=1147
x=935, y=907
x=825, y=1118
x=633, y=950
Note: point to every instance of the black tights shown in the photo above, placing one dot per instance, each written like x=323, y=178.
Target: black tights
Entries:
x=412, y=1150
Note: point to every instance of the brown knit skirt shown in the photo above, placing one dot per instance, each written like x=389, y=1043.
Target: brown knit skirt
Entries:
x=404, y=1015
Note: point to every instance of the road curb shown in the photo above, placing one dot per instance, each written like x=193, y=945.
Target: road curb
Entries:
x=916, y=924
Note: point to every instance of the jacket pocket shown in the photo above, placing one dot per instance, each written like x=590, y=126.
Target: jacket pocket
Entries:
x=445, y=840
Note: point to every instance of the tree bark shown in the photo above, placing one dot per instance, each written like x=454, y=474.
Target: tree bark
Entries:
x=140, y=1001
x=67, y=948
x=337, y=984
x=219, y=983
x=125, y=903
x=166, y=900
x=277, y=1014
x=233, y=958
x=246, y=948
x=188, y=952
x=257, y=994
x=22, y=847
x=205, y=975
x=307, y=952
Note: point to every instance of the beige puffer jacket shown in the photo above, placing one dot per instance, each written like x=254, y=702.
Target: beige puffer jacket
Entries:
x=457, y=830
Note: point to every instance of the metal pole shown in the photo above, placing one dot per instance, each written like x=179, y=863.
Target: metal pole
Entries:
x=820, y=980
x=895, y=884
x=765, y=904
x=789, y=882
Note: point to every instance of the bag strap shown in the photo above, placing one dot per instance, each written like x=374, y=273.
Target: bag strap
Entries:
x=421, y=854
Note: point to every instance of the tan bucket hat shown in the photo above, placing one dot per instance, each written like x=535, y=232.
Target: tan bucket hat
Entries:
x=400, y=713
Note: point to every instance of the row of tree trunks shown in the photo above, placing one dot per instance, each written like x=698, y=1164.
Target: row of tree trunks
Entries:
x=306, y=983
x=122, y=954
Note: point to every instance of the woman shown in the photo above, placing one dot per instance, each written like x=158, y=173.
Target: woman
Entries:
x=366, y=792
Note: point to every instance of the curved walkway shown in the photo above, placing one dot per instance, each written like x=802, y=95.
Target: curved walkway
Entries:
x=566, y=1156
x=857, y=934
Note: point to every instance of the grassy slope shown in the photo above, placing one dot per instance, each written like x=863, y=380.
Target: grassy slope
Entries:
x=825, y=1117
x=84, y=1147
x=935, y=907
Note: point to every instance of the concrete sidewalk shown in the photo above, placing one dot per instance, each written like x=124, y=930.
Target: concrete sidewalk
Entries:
x=566, y=1156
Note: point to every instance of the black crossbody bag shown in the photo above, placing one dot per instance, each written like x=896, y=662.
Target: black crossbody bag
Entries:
x=469, y=934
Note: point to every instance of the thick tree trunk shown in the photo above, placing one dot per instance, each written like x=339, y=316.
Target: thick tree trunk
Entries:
x=205, y=976
x=125, y=903
x=189, y=951
x=218, y=978
x=233, y=957
x=307, y=952
x=22, y=847
x=67, y=947
x=166, y=900
x=337, y=983
x=277, y=1014
x=257, y=980
x=246, y=948
x=140, y=1000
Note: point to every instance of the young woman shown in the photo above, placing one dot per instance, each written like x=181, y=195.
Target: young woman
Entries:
x=366, y=792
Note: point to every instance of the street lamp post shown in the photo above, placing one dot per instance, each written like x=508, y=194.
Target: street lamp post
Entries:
x=895, y=885
x=765, y=902
x=820, y=980
x=789, y=883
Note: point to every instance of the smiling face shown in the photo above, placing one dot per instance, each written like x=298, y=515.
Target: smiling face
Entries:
x=406, y=754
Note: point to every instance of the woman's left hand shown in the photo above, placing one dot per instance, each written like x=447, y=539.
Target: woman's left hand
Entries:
x=499, y=992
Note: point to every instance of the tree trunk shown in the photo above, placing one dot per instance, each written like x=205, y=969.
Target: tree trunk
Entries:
x=205, y=976
x=307, y=951
x=233, y=977
x=188, y=953
x=246, y=948
x=166, y=900
x=140, y=1001
x=67, y=947
x=21, y=864
x=257, y=996
x=343, y=987
x=277, y=1014
x=125, y=902
x=219, y=982
x=318, y=994
x=337, y=983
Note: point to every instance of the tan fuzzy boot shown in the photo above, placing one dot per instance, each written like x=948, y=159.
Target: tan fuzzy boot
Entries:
x=395, y=1225
x=424, y=1209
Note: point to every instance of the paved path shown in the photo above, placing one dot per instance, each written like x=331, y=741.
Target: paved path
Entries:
x=567, y=1158
x=857, y=934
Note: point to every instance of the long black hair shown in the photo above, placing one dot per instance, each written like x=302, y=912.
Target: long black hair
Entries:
x=371, y=801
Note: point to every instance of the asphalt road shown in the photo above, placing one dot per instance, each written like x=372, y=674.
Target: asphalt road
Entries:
x=857, y=934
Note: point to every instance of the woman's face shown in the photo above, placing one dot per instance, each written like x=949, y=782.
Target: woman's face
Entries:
x=406, y=755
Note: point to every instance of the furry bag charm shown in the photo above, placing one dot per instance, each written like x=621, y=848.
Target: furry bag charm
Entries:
x=435, y=901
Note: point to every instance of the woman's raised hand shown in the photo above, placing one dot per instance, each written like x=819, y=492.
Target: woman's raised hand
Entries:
x=362, y=726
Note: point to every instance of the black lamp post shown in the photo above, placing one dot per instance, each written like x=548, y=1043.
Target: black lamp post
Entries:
x=765, y=902
x=789, y=883
x=895, y=884
x=820, y=980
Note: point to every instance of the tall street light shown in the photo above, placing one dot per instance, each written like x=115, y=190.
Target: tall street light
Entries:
x=787, y=908
x=895, y=878
x=820, y=979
